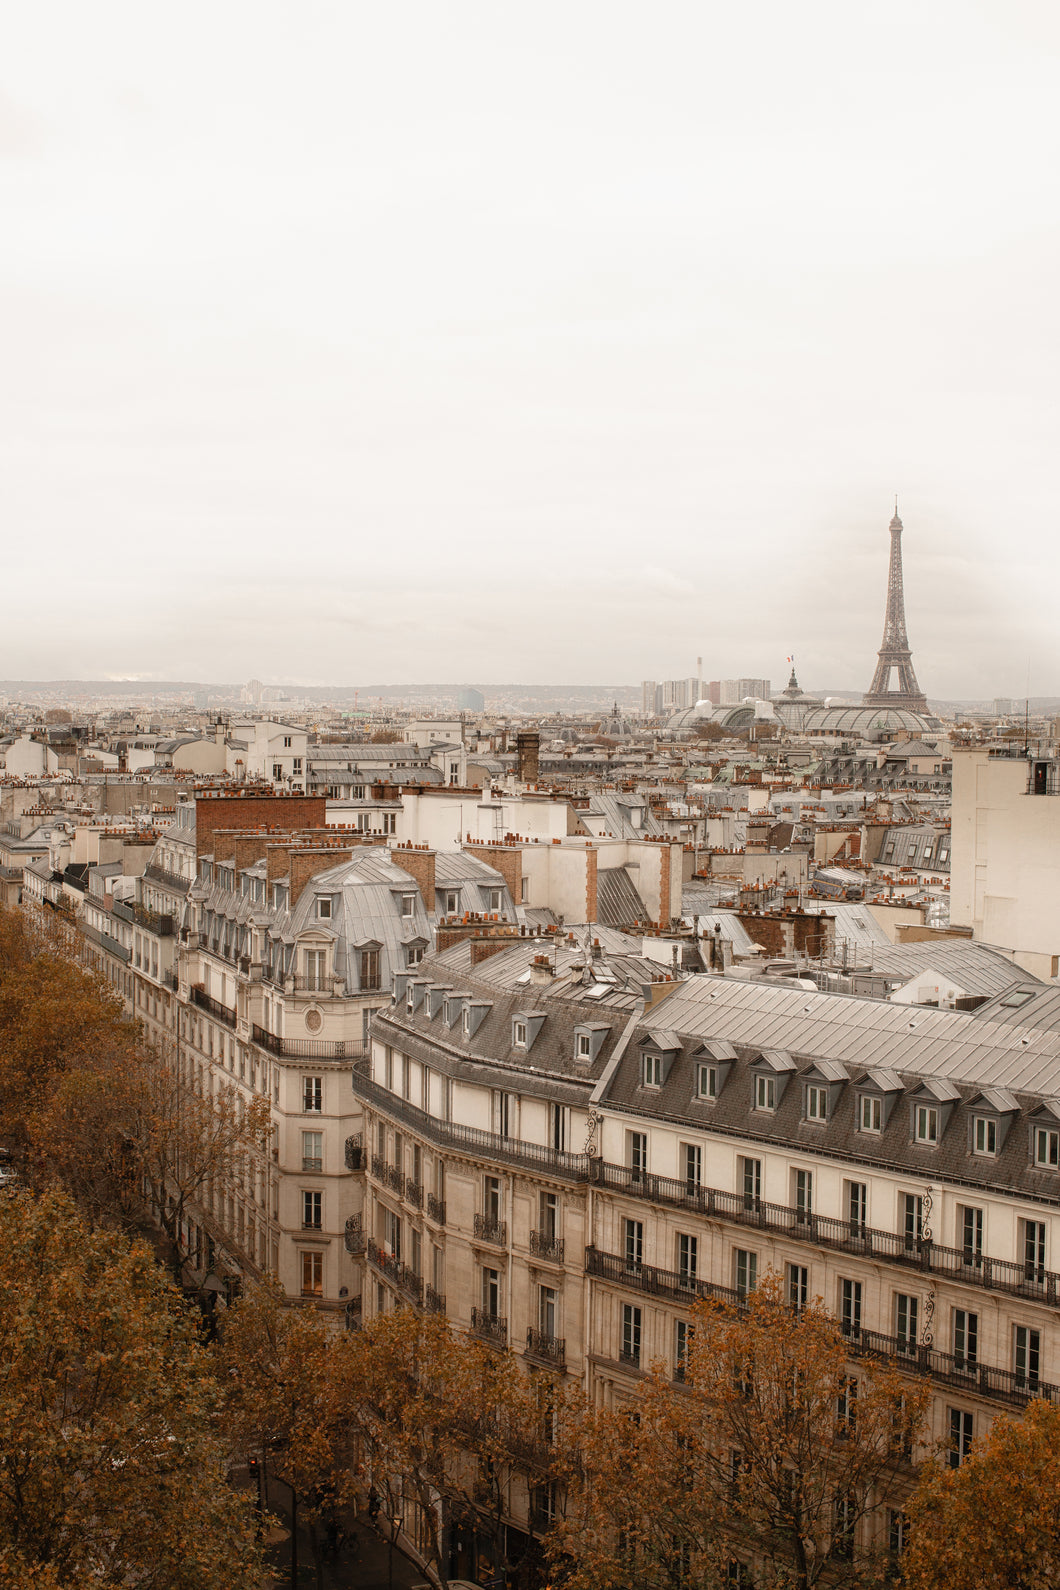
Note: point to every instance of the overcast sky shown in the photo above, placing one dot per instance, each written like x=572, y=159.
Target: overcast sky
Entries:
x=557, y=342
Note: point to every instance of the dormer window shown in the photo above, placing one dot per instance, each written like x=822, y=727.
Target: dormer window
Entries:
x=926, y=1123
x=324, y=908
x=870, y=1113
x=984, y=1135
x=583, y=1046
x=519, y=1034
x=651, y=1070
x=408, y=905
x=450, y=902
x=765, y=1093
x=496, y=899
x=707, y=1082
x=816, y=1102
x=1047, y=1147
x=466, y=1021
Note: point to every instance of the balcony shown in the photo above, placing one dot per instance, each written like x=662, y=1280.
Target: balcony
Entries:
x=398, y=1274
x=354, y=1236
x=546, y=1349
x=308, y=1048
x=212, y=1006
x=487, y=1229
x=434, y=1301
x=314, y=1163
x=354, y=1152
x=172, y=880
x=414, y=1193
x=949, y=1369
x=395, y=1179
x=436, y=1209
x=545, y=1245
x=890, y=1247
x=317, y=987
x=489, y=1328
x=155, y=921
x=658, y=1283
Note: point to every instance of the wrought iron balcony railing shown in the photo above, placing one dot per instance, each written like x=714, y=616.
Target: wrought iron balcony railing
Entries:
x=436, y=1209
x=546, y=1349
x=212, y=1006
x=491, y=1328
x=545, y=1245
x=489, y=1230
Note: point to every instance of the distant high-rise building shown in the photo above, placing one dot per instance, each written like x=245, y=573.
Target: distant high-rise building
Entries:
x=648, y=689
x=733, y=691
x=712, y=692
x=1006, y=706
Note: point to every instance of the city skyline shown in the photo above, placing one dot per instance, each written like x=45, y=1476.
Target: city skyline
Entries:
x=649, y=329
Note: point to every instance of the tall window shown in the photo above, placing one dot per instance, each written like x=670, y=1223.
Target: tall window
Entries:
x=687, y=1258
x=693, y=1166
x=912, y=1219
x=634, y=1243
x=315, y=962
x=549, y=1216
x=857, y=1206
x=1027, y=1357
x=631, y=1323
x=961, y=1426
x=745, y=1267
x=312, y=1210
x=501, y=1103
x=312, y=1095
x=1033, y=1249
x=547, y=1310
x=312, y=1274
x=971, y=1230
x=491, y=1204
x=798, y=1285
x=369, y=969
x=751, y=1178
x=850, y=1307
x=965, y=1338
x=312, y=1151
x=637, y=1143
x=558, y=1116
x=682, y=1341
x=392, y=1232
x=804, y=1193
x=491, y=1293
x=906, y=1320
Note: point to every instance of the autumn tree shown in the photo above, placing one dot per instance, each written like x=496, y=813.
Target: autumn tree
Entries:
x=994, y=1522
x=111, y=1469
x=770, y=1452
x=286, y=1377
x=450, y=1429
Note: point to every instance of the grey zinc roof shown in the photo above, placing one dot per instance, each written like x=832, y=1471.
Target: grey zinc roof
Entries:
x=618, y=903
x=868, y=1033
x=1040, y=1009
x=976, y=967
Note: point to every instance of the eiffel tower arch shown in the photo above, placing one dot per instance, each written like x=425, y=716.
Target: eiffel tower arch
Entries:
x=895, y=653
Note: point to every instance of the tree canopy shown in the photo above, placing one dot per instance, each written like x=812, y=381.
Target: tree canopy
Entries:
x=111, y=1467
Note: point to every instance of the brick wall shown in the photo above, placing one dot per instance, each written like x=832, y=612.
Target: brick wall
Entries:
x=284, y=812
x=419, y=863
x=507, y=860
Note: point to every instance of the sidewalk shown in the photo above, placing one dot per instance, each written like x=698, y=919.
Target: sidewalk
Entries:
x=361, y=1563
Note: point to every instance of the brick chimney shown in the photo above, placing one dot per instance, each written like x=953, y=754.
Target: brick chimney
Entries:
x=528, y=755
x=419, y=864
x=540, y=971
x=305, y=864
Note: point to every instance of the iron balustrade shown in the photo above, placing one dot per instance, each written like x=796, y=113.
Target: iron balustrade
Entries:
x=491, y=1328
x=313, y=1162
x=214, y=1007
x=414, y=1193
x=436, y=1209
x=354, y=1236
x=959, y=1264
x=395, y=1179
x=434, y=1301
x=657, y=1283
x=354, y=1152
x=379, y=1167
x=545, y=1246
x=545, y=1348
x=172, y=880
x=400, y=1275
x=155, y=921
x=123, y=911
x=489, y=1230
x=308, y=1048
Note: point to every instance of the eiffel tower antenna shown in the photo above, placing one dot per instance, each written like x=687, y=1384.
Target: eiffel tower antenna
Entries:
x=895, y=652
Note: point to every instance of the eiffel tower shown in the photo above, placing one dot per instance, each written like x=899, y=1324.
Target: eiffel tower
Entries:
x=895, y=652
